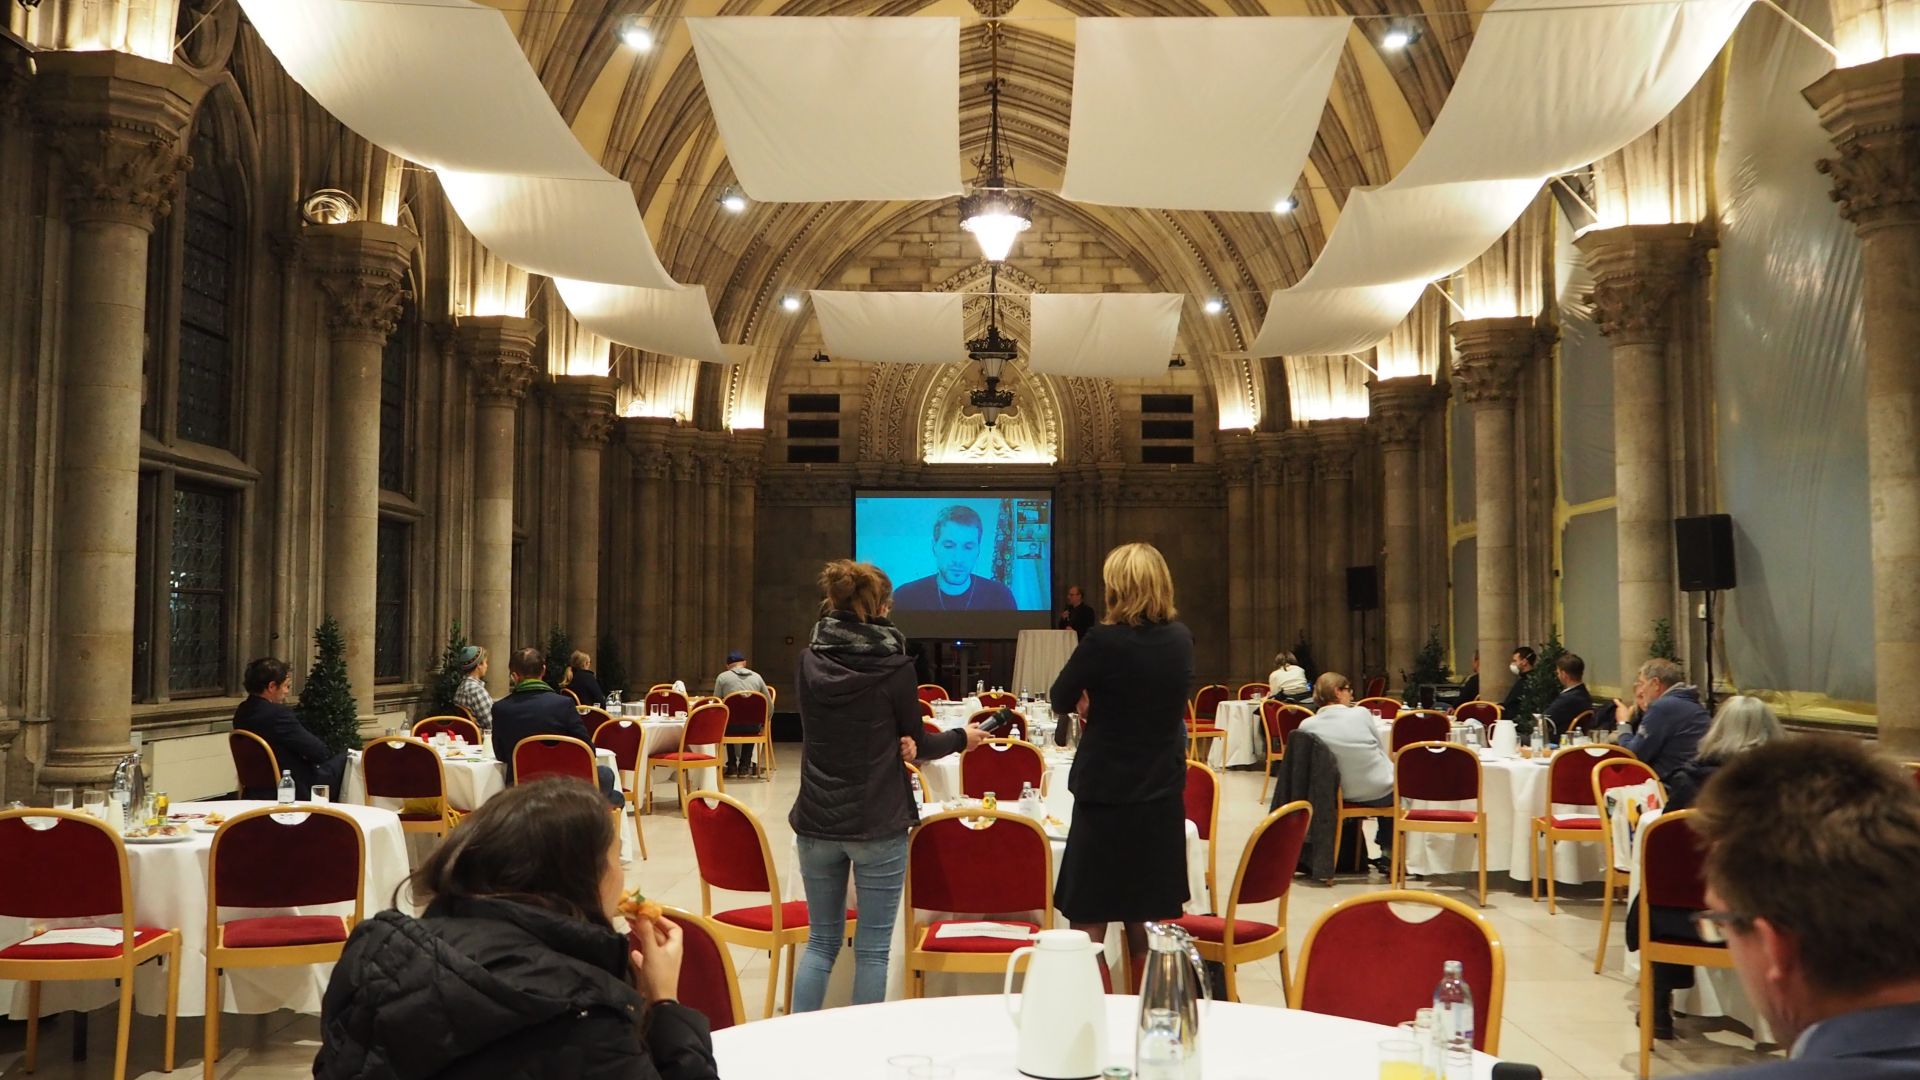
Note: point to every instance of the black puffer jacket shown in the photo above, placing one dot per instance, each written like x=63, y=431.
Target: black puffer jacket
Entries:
x=495, y=989
x=857, y=699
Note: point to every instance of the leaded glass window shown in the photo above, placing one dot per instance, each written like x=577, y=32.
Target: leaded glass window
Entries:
x=390, y=602
x=198, y=583
x=204, y=403
x=396, y=365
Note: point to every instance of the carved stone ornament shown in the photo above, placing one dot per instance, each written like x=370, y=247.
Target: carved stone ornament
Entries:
x=363, y=304
x=1398, y=410
x=1872, y=112
x=111, y=176
x=586, y=407
x=1236, y=461
x=1637, y=270
x=362, y=267
x=1491, y=353
x=118, y=124
x=501, y=378
x=588, y=426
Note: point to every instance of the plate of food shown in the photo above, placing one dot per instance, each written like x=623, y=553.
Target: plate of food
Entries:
x=168, y=833
x=209, y=822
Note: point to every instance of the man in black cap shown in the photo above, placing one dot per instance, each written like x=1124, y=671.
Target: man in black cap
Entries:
x=472, y=694
x=735, y=677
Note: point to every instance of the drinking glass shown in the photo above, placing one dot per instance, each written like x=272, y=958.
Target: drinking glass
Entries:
x=1400, y=1060
x=930, y=1072
x=63, y=798
x=161, y=804
x=1459, y=1061
x=321, y=793
x=95, y=804
x=900, y=1066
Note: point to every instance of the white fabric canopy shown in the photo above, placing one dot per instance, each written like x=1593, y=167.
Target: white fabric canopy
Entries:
x=674, y=322
x=1117, y=335
x=1302, y=322
x=1409, y=233
x=1197, y=113
x=588, y=229
x=892, y=327
x=823, y=108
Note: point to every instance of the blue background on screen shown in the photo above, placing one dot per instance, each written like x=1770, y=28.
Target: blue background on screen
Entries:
x=895, y=533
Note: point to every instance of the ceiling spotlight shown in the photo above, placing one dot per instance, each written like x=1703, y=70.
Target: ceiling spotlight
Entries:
x=732, y=200
x=790, y=302
x=1177, y=362
x=1399, y=37
x=1286, y=205
x=634, y=34
x=821, y=358
x=1214, y=305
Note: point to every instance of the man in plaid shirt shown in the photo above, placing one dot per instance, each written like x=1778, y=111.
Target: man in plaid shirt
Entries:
x=472, y=695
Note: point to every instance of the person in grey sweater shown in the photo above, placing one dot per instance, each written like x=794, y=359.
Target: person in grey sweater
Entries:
x=1352, y=735
x=733, y=678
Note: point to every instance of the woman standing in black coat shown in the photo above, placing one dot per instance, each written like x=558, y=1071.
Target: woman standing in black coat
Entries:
x=516, y=970
x=1126, y=858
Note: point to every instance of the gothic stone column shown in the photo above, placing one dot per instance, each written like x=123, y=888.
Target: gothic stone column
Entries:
x=1491, y=353
x=646, y=438
x=747, y=448
x=1297, y=466
x=1400, y=409
x=117, y=123
x=1334, y=443
x=1636, y=270
x=498, y=349
x=362, y=268
x=716, y=595
x=683, y=531
x=586, y=411
x=1269, y=629
x=1236, y=472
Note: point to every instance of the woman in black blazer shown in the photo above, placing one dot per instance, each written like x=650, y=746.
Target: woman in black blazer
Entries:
x=1126, y=858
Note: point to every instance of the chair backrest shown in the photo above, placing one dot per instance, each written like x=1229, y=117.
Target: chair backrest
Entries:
x=1281, y=720
x=1385, y=708
x=1672, y=863
x=927, y=725
x=569, y=691
x=926, y=709
x=624, y=738
x=708, y=981
x=931, y=693
x=1272, y=852
x=1206, y=703
x=729, y=846
x=1249, y=691
x=448, y=726
x=1000, y=766
x=1486, y=712
x=1436, y=772
x=997, y=699
x=1625, y=771
x=1583, y=721
x=1202, y=798
x=1015, y=730
x=253, y=761
x=1004, y=867
x=1363, y=961
x=1376, y=685
x=466, y=712
x=1570, y=772
x=1418, y=725
x=75, y=868
x=747, y=711
x=398, y=768
x=553, y=755
x=674, y=700
x=706, y=725
x=919, y=782
x=315, y=856
x=592, y=716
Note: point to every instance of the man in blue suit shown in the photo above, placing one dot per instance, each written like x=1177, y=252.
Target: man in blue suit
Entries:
x=1813, y=848
x=536, y=708
x=295, y=749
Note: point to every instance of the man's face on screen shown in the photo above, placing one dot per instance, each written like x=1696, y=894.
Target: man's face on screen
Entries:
x=955, y=549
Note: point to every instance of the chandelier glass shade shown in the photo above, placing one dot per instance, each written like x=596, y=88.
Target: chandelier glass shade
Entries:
x=991, y=212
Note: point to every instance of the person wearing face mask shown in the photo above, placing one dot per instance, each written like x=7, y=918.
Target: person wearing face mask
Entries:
x=1520, y=665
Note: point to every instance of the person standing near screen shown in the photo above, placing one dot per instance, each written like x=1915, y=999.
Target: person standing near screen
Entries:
x=953, y=586
x=1077, y=617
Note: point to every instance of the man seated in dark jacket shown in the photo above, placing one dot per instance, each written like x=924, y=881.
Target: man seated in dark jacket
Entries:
x=1520, y=666
x=1672, y=720
x=536, y=708
x=295, y=749
x=1573, y=699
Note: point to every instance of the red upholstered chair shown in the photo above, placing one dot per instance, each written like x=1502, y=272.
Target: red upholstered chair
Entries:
x=1015, y=730
x=624, y=738
x=674, y=700
x=449, y=726
x=316, y=857
x=1001, y=766
x=1386, y=708
x=538, y=756
x=730, y=849
x=1200, y=730
x=568, y=690
x=464, y=711
x=972, y=862
x=926, y=709
x=1281, y=720
x=749, y=716
x=1265, y=874
x=999, y=699
x=706, y=726
x=1202, y=799
x=1569, y=783
x=1417, y=725
x=1376, y=686
x=254, y=767
x=1485, y=712
x=1363, y=961
x=1438, y=772
x=1671, y=875
x=1206, y=703
x=1609, y=774
x=930, y=693
x=708, y=982
x=1249, y=691
x=927, y=725
x=919, y=783
x=409, y=769
x=76, y=868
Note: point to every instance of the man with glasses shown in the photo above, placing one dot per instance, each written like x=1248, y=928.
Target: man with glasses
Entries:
x=1672, y=720
x=1813, y=846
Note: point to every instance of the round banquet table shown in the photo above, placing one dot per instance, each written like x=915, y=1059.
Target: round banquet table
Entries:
x=942, y=776
x=477, y=776
x=976, y=1038
x=1246, y=741
x=170, y=891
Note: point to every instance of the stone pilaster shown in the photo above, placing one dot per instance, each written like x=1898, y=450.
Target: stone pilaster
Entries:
x=1401, y=411
x=1296, y=464
x=1236, y=474
x=716, y=596
x=646, y=439
x=1271, y=555
x=1491, y=354
x=362, y=268
x=1637, y=269
x=1873, y=114
x=1334, y=445
x=118, y=125
x=586, y=414
x=747, y=450
x=683, y=529
x=498, y=350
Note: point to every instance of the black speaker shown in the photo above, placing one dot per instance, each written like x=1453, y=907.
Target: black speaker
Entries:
x=1363, y=588
x=1703, y=547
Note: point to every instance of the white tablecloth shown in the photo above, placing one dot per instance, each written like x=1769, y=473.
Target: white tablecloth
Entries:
x=170, y=891
x=976, y=1038
x=942, y=776
x=1038, y=656
x=952, y=714
x=1246, y=740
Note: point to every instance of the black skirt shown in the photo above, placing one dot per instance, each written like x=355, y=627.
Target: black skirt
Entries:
x=1125, y=862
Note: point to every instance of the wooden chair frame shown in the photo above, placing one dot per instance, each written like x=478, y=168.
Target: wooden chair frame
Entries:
x=1243, y=693
x=921, y=691
x=1005, y=746
x=273, y=761
x=712, y=930
x=1403, y=825
x=1496, y=996
x=1230, y=953
x=919, y=781
x=449, y=817
x=628, y=789
x=220, y=957
x=1393, y=725
x=1497, y=708
x=164, y=946
x=1613, y=880
x=1193, y=703
x=1374, y=705
x=1199, y=731
x=981, y=716
x=1213, y=833
x=474, y=736
x=763, y=740
x=681, y=766
x=919, y=960
x=1659, y=952
x=1543, y=827
x=1343, y=813
x=1276, y=748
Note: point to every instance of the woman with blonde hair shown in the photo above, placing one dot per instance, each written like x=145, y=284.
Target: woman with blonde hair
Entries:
x=1126, y=857
x=583, y=682
x=1742, y=723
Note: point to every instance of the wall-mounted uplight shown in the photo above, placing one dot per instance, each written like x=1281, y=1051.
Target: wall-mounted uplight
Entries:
x=330, y=206
x=1286, y=205
x=732, y=200
x=635, y=34
x=790, y=303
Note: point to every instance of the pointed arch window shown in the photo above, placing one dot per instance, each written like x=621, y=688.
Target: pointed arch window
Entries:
x=204, y=391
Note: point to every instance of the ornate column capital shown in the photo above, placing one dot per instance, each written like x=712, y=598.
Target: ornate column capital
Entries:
x=498, y=350
x=646, y=439
x=16, y=76
x=1490, y=354
x=1296, y=455
x=362, y=267
x=682, y=462
x=748, y=450
x=1236, y=459
x=586, y=404
x=1872, y=113
x=712, y=451
x=1269, y=448
x=118, y=123
x=1637, y=269
x=1398, y=409
x=1334, y=443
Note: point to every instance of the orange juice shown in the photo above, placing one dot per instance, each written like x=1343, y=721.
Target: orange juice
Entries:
x=1403, y=1070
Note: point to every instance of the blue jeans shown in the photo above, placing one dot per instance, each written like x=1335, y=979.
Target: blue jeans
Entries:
x=879, y=875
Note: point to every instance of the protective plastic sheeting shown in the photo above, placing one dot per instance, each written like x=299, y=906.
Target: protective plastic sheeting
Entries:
x=1115, y=335
x=1590, y=593
x=1585, y=384
x=892, y=327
